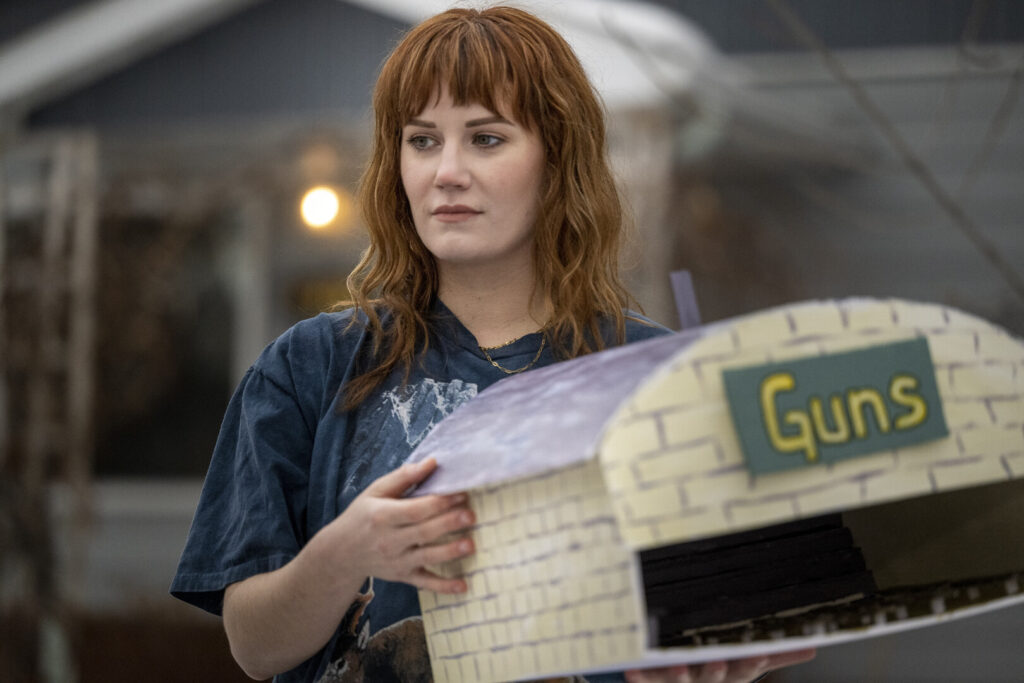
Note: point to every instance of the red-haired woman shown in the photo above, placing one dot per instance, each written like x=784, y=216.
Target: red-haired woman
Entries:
x=494, y=229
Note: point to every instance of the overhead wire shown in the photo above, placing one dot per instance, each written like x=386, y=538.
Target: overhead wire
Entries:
x=965, y=57
x=913, y=162
x=996, y=127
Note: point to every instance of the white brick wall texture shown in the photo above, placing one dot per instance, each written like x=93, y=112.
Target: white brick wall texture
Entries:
x=552, y=586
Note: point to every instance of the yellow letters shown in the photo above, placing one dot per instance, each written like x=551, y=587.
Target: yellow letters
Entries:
x=857, y=398
x=899, y=392
x=772, y=385
x=812, y=426
x=825, y=409
x=842, y=431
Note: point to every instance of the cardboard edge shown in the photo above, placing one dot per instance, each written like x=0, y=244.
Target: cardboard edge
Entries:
x=710, y=653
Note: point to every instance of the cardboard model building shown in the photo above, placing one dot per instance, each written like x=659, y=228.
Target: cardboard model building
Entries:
x=678, y=500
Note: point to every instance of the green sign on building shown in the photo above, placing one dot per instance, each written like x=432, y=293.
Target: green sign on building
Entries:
x=805, y=412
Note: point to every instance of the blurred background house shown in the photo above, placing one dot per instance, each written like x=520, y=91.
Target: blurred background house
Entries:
x=154, y=155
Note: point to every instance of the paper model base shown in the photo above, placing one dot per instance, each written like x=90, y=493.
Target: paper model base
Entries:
x=575, y=469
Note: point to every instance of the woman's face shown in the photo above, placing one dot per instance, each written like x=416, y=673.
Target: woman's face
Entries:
x=473, y=181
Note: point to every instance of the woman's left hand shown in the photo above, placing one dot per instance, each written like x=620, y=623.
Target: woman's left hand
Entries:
x=734, y=671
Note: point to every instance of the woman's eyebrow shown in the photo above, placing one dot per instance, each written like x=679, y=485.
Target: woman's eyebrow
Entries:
x=420, y=123
x=486, y=120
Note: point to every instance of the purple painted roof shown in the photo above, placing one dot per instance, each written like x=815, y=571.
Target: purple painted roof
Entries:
x=544, y=419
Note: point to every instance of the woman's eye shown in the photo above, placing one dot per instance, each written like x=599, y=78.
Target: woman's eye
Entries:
x=486, y=140
x=421, y=142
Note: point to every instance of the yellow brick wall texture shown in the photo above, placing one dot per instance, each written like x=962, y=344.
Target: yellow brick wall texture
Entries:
x=552, y=586
x=673, y=464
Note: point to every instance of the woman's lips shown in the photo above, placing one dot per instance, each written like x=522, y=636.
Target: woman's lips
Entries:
x=454, y=214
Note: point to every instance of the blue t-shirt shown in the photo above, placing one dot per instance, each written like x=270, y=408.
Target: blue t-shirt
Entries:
x=288, y=461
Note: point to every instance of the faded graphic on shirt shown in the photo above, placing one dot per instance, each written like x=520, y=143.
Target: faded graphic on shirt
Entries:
x=391, y=425
x=395, y=653
x=418, y=407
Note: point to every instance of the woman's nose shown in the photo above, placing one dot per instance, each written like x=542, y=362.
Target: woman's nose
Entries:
x=452, y=170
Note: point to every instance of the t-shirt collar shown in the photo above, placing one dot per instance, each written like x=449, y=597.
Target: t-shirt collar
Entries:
x=451, y=329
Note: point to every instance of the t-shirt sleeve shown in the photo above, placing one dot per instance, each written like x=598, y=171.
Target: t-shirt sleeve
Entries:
x=251, y=516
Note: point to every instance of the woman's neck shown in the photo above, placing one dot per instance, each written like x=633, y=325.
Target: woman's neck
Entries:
x=495, y=306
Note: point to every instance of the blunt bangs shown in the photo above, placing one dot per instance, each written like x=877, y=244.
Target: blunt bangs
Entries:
x=478, y=59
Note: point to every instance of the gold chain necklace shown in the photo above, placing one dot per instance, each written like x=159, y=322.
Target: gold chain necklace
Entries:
x=518, y=370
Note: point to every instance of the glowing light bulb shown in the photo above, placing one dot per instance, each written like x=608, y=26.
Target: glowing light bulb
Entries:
x=320, y=207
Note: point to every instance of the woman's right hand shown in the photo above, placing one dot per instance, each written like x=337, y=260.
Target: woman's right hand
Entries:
x=276, y=620
x=395, y=538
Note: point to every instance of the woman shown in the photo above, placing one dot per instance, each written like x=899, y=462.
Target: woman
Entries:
x=494, y=230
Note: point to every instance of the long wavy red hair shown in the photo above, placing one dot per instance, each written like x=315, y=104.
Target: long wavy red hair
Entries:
x=510, y=62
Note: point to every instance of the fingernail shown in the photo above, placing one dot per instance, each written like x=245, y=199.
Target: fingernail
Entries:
x=466, y=517
x=465, y=546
